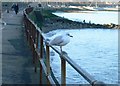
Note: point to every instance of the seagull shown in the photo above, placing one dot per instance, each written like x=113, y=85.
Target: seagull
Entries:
x=61, y=40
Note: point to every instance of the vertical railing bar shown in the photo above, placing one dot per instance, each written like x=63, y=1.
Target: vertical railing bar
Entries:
x=30, y=28
x=34, y=47
x=41, y=46
x=29, y=34
x=63, y=72
x=36, y=42
x=31, y=31
x=48, y=59
x=41, y=74
x=35, y=34
x=27, y=29
x=41, y=56
x=31, y=42
x=47, y=62
x=37, y=39
x=25, y=26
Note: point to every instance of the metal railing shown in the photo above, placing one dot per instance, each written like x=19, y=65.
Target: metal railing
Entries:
x=34, y=36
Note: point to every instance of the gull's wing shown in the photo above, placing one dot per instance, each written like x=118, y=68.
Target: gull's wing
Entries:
x=56, y=41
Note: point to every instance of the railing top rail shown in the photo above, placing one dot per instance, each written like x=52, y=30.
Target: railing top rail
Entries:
x=82, y=72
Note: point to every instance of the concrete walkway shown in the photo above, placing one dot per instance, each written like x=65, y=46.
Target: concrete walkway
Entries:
x=17, y=66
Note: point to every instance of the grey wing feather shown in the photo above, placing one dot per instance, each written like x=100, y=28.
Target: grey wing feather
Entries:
x=56, y=41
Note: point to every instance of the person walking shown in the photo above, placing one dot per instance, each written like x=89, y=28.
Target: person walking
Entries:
x=16, y=8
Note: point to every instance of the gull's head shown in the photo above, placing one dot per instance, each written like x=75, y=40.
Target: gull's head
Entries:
x=69, y=35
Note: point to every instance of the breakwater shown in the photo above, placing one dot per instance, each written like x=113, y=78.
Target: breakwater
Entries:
x=52, y=22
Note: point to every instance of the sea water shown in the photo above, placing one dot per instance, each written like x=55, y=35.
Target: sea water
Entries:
x=95, y=50
x=97, y=17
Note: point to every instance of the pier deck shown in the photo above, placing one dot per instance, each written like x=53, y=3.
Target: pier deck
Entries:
x=17, y=66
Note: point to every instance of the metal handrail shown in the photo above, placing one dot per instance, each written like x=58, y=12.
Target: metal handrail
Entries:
x=33, y=32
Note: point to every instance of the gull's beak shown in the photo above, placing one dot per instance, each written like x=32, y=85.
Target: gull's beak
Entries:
x=70, y=35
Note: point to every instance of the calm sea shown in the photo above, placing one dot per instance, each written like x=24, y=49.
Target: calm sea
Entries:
x=97, y=17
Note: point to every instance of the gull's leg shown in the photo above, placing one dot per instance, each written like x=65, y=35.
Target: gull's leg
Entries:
x=61, y=49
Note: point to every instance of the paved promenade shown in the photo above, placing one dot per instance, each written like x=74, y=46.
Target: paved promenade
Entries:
x=17, y=66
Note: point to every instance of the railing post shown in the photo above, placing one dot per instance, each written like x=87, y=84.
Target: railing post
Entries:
x=28, y=32
x=31, y=41
x=34, y=48
x=48, y=59
x=63, y=72
x=27, y=29
x=47, y=62
x=41, y=56
x=34, y=34
x=37, y=40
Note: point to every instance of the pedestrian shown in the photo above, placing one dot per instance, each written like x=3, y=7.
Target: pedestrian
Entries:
x=89, y=22
x=16, y=8
x=83, y=21
x=13, y=5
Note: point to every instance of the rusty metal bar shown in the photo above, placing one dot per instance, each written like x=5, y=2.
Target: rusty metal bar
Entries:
x=63, y=72
x=34, y=47
x=47, y=61
x=41, y=46
x=41, y=69
x=41, y=56
x=36, y=52
x=34, y=35
x=37, y=40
